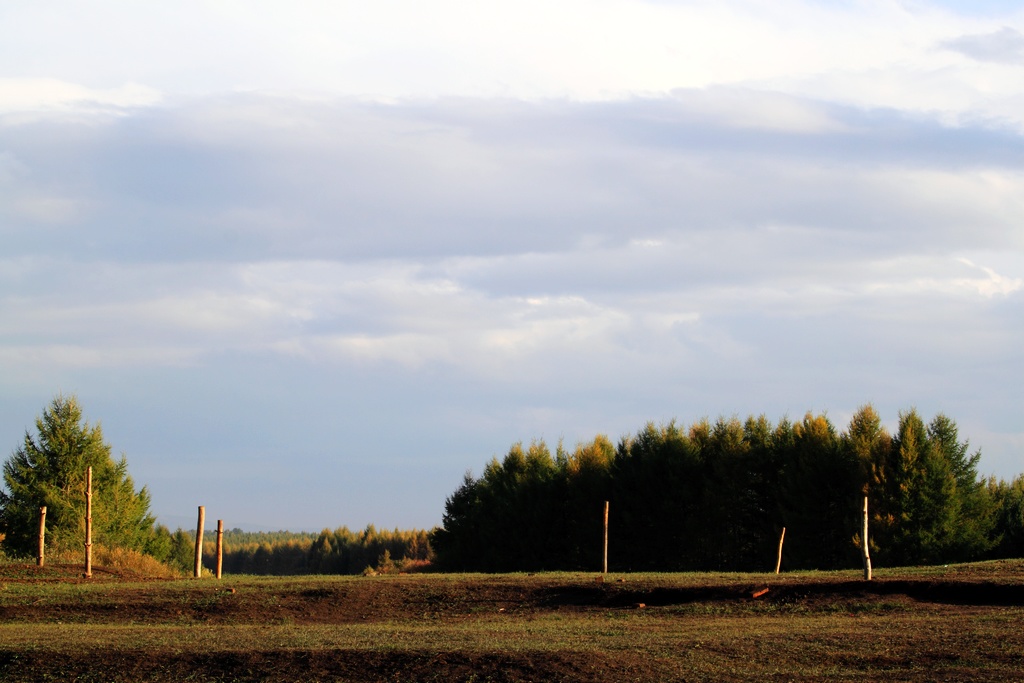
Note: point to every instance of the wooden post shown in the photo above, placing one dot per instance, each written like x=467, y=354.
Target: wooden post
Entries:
x=778, y=562
x=199, y=543
x=867, y=553
x=604, y=566
x=220, y=546
x=88, y=523
x=40, y=559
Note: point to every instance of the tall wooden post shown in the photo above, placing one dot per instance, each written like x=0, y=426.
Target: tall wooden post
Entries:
x=220, y=546
x=604, y=565
x=40, y=559
x=88, y=523
x=867, y=553
x=199, y=543
x=778, y=562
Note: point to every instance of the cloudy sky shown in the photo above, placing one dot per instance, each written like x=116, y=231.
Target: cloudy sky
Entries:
x=308, y=262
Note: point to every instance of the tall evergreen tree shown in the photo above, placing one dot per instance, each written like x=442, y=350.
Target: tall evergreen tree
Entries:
x=657, y=501
x=867, y=444
x=1007, y=500
x=510, y=518
x=587, y=486
x=970, y=506
x=901, y=540
x=818, y=495
x=459, y=539
x=50, y=469
x=938, y=509
x=726, y=455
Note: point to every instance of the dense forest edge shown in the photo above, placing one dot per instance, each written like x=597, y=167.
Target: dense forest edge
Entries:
x=716, y=496
x=708, y=496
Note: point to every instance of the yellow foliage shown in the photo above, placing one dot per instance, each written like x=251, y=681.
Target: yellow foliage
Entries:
x=117, y=560
x=125, y=560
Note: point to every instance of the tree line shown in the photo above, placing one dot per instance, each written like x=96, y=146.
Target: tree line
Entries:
x=710, y=496
x=341, y=551
x=282, y=553
x=716, y=496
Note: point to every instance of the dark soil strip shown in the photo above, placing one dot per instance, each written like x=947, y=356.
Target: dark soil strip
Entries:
x=318, y=665
x=940, y=592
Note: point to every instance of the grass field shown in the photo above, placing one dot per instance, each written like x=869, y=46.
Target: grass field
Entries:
x=956, y=623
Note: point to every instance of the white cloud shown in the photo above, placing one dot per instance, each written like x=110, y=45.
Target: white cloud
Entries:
x=750, y=109
x=574, y=49
x=410, y=350
x=1005, y=46
x=992, y=284
x=21, y=95
x=21, y=360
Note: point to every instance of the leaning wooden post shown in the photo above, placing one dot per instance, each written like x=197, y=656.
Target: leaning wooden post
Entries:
x=199, y=542
x=867, y=554
x=88, y=523
x=40, y=560
x=220, y=546
x=778, y=562
x=604, y=566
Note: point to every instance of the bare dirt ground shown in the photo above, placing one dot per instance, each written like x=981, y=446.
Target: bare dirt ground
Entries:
x=959, y=623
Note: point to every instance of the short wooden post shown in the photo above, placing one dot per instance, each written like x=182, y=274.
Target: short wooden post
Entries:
x=604, y=565
x=40, y=559
x=867, y=553
x=88, y=523
x=778, y=562
x=199, y=543
x=220, y=546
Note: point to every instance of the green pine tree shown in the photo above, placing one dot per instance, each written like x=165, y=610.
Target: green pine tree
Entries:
x=50, y=469
x=939, y=509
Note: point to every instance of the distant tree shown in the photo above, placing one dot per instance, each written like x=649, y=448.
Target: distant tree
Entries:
x=50, y=469
x=181, y=551
x=657, y=496
x=819, y=496
x=1008, y=504
x=458, y=541
x=726, y=455
x=868, y=445
x=519, y=510
x=936, y=508
x=913, y=483
x=159, y=544
x=577, y=517
x=971, y=506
